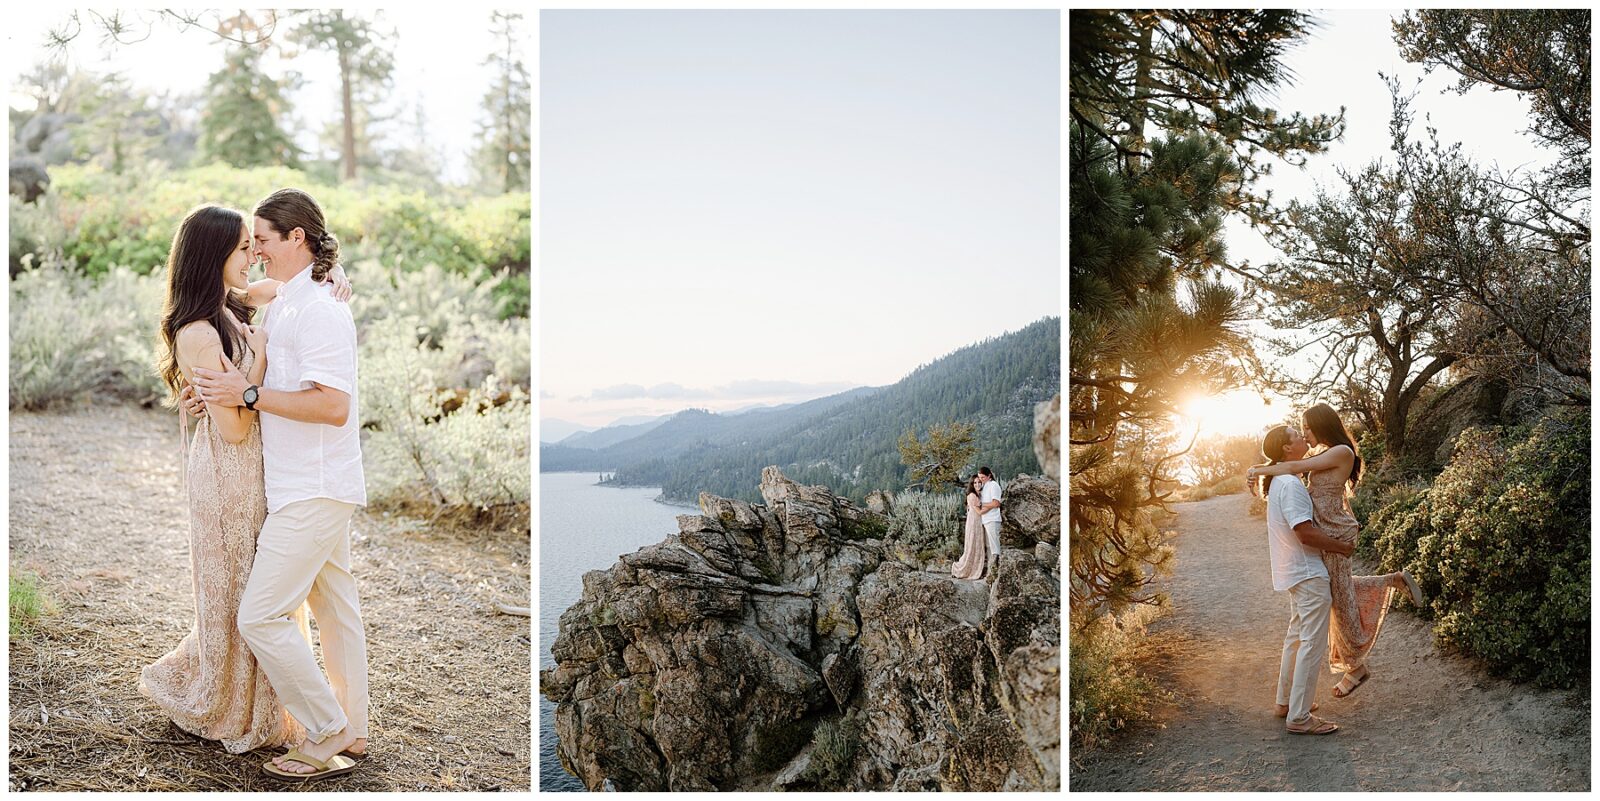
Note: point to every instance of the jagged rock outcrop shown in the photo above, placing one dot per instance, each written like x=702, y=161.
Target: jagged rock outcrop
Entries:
x=1047, y=437
x=774, y=645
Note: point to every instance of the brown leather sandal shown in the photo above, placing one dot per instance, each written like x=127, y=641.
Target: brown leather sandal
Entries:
x=1319, y=726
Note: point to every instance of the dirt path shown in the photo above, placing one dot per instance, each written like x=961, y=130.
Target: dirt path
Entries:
x=97, y=512
x=1426, y=720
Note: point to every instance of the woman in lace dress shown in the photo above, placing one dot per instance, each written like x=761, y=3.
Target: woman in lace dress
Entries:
x=1359, y=602
x=975, y=552
x=210, y=684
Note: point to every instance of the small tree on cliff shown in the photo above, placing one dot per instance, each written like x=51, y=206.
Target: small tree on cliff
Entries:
x=936, y=462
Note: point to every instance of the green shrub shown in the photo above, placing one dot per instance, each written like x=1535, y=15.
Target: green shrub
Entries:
x=456, y=446
x=1108, y=692
x=833, y=752
x=28, y=604
x=928, y=524
x=99, y=220
x=71, y=336
x=1500, y=545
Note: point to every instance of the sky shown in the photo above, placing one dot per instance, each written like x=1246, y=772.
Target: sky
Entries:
x=760, y=207
x=181, y=61
x=1339, y=65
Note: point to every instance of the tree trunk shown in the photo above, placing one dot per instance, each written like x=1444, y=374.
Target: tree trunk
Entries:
x=505, y=157
x=1141, y=95
x=348, y=152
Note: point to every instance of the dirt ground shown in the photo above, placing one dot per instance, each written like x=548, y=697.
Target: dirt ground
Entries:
x=1425, y=721
x=97, y=512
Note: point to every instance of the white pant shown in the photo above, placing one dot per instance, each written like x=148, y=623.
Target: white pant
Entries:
x=993, y=530
x=303, y=556
x=1305, y=647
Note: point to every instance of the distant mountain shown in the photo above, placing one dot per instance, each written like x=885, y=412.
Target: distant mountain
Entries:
x=847, y=441
x=555, y=430
x=762, y=408
x=612, y=434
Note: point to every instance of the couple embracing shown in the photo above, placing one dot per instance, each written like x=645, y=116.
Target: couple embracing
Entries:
x=274, y=477
x=1333, y=614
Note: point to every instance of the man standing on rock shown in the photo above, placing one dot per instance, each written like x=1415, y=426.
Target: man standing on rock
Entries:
x=989, y=505
x=1296, y=545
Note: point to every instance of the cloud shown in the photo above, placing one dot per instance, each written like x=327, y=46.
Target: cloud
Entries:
x=619, y=392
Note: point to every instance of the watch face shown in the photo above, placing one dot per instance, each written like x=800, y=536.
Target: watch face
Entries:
x=250, y=395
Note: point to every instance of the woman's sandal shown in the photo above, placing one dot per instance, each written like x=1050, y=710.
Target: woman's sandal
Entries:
x=337, y=765
x=1320, y=727
x=1353, y=687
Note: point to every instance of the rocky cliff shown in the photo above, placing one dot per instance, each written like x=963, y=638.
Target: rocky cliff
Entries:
x=790, y=644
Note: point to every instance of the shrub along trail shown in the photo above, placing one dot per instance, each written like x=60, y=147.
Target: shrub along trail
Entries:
x=1424, y=721
x=97, y=512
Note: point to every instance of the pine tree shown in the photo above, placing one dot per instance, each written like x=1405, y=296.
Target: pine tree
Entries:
x=1151, y=323
x=239, y=124
x=505, y=158
x=366, y=68
x=936, y=463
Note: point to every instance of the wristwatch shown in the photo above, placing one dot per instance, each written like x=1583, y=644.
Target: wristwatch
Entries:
x=251, y=394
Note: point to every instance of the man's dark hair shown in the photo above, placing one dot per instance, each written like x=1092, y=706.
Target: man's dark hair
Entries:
x=986, y=471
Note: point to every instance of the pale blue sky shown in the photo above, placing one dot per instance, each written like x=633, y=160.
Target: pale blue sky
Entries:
x=763, y=206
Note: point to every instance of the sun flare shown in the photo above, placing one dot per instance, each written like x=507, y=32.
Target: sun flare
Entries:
x=1229, y=414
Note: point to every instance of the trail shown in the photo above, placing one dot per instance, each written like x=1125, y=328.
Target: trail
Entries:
x=1424, y=721
x=97, y=512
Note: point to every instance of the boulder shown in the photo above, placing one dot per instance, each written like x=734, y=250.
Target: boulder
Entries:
x=716, y=659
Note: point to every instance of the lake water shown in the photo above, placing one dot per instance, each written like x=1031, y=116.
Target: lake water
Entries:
x=584, y=527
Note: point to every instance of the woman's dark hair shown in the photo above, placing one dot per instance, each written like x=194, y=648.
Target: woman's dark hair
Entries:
x=196, y=290
x=972, y=486
x=1272, y=450
x=288, y=209
x=1325, y=425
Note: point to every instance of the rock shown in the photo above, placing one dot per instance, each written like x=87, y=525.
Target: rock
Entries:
x=1030, y=512
x=840, y=674
x=29, y=179
x=880, y=502
x=1047, y=437
x=719, y=658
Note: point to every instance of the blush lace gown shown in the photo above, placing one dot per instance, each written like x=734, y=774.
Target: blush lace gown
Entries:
x=210, y=684
x=1360, y=603
x=975, y=554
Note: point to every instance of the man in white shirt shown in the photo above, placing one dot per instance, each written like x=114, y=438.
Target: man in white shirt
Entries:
x=311, y=449
x=989, y=505
x=1296, y=545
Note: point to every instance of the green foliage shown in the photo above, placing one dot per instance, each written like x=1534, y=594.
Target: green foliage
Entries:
x=98, y=220
x=928, y=522
x=457, y=447
x=1107, y=690
x=28, y=604
x=1500, y=545
x=240, y=124
x=106, y=345
x=362, y=49
x=939, y=461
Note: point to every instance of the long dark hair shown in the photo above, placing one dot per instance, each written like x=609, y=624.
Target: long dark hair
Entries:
x=1272, y=450
x=288, y=209
x=196, y=290
x=1329, y=430
x=972, y=487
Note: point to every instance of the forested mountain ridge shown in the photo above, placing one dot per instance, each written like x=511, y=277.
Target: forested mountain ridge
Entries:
x=847, y=441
